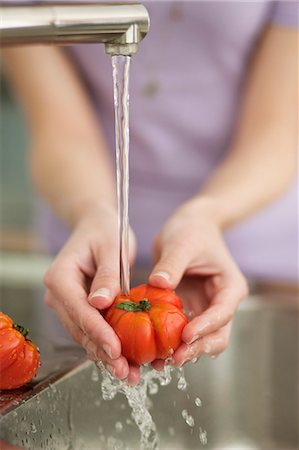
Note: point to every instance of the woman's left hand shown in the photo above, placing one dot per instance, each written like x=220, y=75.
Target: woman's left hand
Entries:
x=190, y=255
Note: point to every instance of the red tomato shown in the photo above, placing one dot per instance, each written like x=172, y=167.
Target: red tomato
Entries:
x=19, y=357
x=149, y=323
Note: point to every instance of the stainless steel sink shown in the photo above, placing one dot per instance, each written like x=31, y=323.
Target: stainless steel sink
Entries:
x=249, y=395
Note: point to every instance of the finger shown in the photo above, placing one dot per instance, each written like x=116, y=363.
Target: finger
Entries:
x=171, y=266
x=220, y=313
x=118, y=367
x=211, y=345
x=158, y=364
x=68, y=324
x=134, y=375
x=64, y=287
x=105, y=285
x=73, y=329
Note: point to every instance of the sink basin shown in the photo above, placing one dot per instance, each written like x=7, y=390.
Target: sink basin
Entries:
x=249, y=396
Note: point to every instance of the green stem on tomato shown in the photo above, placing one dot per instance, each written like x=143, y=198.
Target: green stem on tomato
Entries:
x=142, y=305
x=20, y=329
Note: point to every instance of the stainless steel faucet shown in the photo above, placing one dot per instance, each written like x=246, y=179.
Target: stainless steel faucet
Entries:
x=120, y=26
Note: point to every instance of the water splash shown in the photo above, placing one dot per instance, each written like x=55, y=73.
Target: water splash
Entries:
x=140, y=403
x=137, y=397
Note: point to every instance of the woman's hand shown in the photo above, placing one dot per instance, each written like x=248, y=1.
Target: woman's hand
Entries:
x=83, y=279
x=191, y=245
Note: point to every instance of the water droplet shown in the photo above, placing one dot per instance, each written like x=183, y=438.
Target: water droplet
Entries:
x=194, y=360
x=198, y=402
x=118, y=427
x=33, y=428
x=153, y=388
x=114, y=444
x=165, y=376
x=182, y=384
x=171, y=431
x=188, y=418
x=203, y=436
x=53, y=388
x=94, y=375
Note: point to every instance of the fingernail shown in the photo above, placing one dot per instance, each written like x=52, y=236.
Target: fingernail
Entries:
x=200, y=330
x=110, y=369
x=164, y=275
x=103, y=292
x=193, y=339
x=107, y=349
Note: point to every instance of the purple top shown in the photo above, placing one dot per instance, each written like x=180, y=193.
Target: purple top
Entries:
x=185, y=88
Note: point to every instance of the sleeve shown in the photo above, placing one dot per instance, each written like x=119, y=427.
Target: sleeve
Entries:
x=285, y=13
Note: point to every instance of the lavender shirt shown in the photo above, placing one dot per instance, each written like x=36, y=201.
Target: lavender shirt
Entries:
x=186, y=83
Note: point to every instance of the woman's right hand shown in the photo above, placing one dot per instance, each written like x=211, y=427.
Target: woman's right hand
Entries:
x=83, y=280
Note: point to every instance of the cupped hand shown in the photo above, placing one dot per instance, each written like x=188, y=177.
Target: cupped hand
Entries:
x=191, y=256
x=83, y=280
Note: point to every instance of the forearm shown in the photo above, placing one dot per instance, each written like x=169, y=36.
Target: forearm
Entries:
x=69, y=160
x=72, y=174
x=262, y=160
x=249, y=178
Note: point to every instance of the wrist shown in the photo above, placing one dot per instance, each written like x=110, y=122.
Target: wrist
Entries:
x=208, y=208
x=86, y=209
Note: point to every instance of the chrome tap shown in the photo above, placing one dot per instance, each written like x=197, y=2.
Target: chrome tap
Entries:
x=120, y=26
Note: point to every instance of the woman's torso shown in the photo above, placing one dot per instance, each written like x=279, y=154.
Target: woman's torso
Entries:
x=185, y=88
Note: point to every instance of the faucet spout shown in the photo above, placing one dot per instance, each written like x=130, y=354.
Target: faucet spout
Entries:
x=120, y=26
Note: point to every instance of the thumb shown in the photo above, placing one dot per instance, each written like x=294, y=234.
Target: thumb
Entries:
x=171, y=266
x=106, y=284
